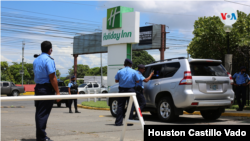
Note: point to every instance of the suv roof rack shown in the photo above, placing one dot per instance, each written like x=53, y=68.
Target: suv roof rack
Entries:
x=169, y=59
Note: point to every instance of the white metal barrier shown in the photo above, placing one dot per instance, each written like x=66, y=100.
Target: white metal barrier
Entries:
x=55, y=97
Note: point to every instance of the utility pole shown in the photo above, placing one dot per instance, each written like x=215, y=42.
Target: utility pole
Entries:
x=163, y=41
x=101, y=69
x=22, y=61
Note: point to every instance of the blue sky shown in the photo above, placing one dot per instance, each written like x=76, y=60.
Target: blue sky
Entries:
x=66, y=18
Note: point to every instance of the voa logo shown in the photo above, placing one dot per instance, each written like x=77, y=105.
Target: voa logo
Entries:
x=226, y=16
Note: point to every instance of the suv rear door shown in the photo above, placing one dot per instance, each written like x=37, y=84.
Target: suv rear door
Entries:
x=6, y=88
x=152, y=87
x=209, y=80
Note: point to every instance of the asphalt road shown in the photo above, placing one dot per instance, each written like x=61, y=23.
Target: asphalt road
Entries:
x=18, y=124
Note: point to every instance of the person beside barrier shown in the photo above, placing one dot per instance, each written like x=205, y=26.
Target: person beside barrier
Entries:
x=240, y=92
x=46, y=84
x=73, y=90
x=126, y=78
x=139, y=87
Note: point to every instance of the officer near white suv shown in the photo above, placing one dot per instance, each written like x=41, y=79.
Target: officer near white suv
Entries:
x=240, y=84
x=126, y=78
x=139, y=87
x=73, y=90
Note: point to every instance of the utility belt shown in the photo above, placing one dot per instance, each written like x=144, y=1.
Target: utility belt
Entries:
x=49, y=85
x=138, y=88
x=73, y=91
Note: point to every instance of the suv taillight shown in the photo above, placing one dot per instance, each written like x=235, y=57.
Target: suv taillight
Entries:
x=187, y=80
x=230, y=77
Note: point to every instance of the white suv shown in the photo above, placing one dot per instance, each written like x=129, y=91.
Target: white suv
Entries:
x=181, y=84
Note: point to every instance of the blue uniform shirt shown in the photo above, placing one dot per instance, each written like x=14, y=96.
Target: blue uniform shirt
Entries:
x=141, y=79
x=43, y=66
x=240, y=78
x=127, y=77
x=71, y=84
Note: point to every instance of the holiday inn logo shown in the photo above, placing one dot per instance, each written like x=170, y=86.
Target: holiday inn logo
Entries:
x=114, y=16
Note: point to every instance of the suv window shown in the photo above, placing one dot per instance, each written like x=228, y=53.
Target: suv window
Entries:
x=207, y=69
x=5, y=84
x=82, y=85
x=170, y=69
x=13, y=84
x=61, y=84
x=158, y=73
x=96, y=85
x=90, y=86
x=147, y=72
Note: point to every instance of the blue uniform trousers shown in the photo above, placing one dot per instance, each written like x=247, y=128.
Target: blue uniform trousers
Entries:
x=121, y=105
x=141, y=100
x=240, y=93
x=43, y=108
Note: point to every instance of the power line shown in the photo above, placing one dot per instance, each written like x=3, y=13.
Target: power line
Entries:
x=236, y=3
x=48, y=14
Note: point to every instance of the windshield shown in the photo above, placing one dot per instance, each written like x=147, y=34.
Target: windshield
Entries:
x=207, y=69
x=61, y=84
x=82, y=85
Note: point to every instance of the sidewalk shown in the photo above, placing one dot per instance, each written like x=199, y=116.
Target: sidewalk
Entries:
x=228, y=112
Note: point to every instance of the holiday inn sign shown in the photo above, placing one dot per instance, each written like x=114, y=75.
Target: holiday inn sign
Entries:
x=120, y=26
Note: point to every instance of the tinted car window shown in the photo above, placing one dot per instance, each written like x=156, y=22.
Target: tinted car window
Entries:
x=170, y=69
x=89, y=85
x=5, y=84
x=61, y=84
x=158, y=73
x=207, y=69
x=96, y=85
x=13, y=84
x=147, y=72
x=82, y=85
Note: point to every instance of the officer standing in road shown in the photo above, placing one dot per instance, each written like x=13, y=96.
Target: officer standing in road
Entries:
x=127, y=79
x=73, y=89
x=240, y=92
x=139, y=87
x=46, y=84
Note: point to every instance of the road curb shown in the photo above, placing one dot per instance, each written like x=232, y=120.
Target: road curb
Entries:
x=93, y=108
x=12, y=107
x=185, y=113
x=223, y=114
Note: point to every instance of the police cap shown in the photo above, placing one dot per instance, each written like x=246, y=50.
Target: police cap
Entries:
x=73, y=77
x=141, y=66
x=128, y=61
x=242, y=67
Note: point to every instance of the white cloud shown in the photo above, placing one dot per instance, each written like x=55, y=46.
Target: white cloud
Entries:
x=5, y=59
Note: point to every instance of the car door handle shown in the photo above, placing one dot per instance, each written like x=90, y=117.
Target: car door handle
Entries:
x=156, y=83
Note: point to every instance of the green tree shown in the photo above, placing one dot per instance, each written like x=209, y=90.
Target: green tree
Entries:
x=81, y=71
x=141, y=57
x=58, y=74
x=29, y=67
x=2, y=76
x=15, y=71
x=210, y=40
x=5, y=72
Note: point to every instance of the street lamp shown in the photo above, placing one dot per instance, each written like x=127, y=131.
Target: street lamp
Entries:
x=227, y=29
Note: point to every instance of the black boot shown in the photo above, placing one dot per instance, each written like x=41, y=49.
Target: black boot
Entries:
x=70, y=111
x=77, y=111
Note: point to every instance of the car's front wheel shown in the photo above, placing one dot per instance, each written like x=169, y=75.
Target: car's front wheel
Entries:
x=211, y=114
x=165, y=110
x=113, y=107
x=15, y=93
x=81, y=92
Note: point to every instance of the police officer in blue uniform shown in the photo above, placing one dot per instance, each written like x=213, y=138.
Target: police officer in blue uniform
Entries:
x=240, y=92
x=127, y=78
x=73, y=89
x=139, y=87
x=46, y=84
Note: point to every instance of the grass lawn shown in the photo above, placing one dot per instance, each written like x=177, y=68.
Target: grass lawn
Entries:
x=98, y=104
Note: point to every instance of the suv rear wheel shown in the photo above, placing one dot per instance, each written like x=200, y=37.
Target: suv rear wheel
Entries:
x=165, y=110
x=211, y=114
x=81, y=92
